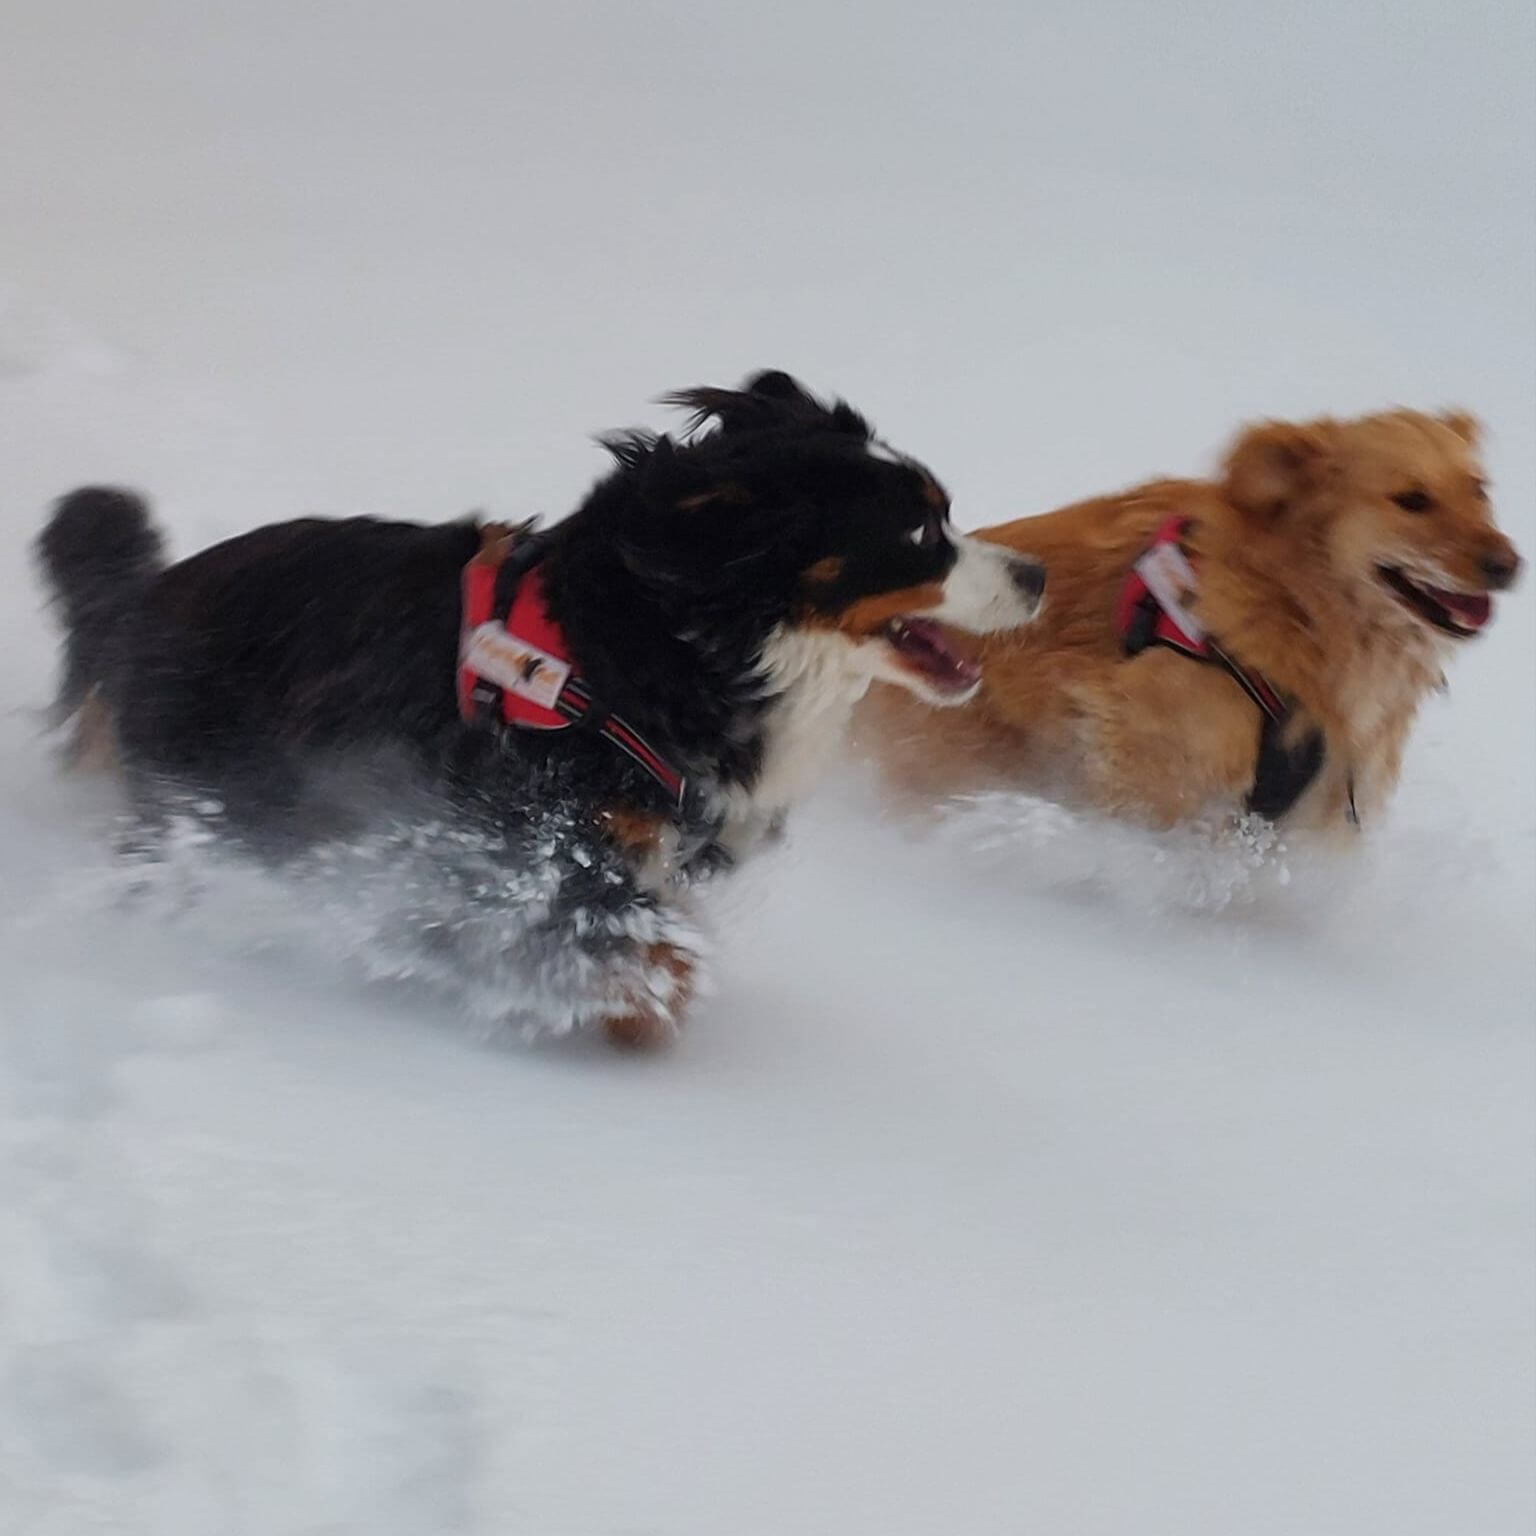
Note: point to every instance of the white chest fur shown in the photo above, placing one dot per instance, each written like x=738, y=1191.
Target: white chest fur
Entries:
x=815, y=680
x=1379, y=693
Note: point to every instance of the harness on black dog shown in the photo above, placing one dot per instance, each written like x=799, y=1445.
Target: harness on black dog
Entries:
x=1151, y=611
x=515, y=671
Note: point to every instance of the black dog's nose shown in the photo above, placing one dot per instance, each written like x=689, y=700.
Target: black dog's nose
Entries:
x=1029, y=578
x=1501, y=567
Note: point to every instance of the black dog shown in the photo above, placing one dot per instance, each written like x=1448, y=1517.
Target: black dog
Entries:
x=605, y=709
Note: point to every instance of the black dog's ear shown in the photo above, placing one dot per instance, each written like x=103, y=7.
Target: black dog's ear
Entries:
x=665, y=480
x=688, y=532
x=726, y=494
x=767, y=400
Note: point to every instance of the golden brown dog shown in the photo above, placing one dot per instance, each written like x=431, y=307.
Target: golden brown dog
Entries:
x=1338, y=562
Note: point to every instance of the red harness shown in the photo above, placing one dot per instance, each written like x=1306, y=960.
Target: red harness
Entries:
x=514, y=667
x=1151, y=611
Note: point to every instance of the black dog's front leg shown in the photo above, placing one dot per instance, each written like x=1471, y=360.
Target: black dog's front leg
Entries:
x=539, y=922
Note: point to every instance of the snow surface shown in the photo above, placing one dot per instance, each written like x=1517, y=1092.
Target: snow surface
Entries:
x=1022, y=1175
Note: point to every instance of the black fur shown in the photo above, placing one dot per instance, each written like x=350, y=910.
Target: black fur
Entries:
x=249, y=671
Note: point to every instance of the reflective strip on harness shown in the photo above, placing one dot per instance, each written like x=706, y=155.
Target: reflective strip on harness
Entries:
x=1152, y=611
x=1165, y=572
x=500, y=657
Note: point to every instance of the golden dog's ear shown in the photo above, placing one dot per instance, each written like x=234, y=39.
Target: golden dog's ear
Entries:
x=1275, y=464
x=1465, y=426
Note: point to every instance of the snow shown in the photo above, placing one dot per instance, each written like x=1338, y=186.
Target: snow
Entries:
x=1021, y=1174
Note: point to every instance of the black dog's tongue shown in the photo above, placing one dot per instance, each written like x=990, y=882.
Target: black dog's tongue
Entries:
x=923, y=644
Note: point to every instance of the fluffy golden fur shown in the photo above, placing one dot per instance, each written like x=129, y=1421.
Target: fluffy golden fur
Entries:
x=1341, y=560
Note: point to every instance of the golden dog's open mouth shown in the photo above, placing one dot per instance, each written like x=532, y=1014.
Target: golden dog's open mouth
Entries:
x=922, y=647
x=1453, y=613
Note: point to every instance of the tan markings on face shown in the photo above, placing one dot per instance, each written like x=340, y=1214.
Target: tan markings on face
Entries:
x=869, y=615
x=825, y=571
x=933, y=494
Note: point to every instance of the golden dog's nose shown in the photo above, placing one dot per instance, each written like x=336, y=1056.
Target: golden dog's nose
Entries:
x=1501, y=566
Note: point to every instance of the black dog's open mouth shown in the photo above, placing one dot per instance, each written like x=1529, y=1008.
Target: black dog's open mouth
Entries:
x=923, y=648
x=1454, y=613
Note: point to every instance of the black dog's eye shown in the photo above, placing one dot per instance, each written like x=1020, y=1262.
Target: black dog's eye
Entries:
x=1414, y=501
x=928, y=534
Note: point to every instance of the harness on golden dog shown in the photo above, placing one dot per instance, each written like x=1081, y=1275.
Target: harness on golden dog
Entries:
x=1151, y=611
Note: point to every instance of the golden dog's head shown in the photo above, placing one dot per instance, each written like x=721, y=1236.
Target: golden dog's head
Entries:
x=1396, y=503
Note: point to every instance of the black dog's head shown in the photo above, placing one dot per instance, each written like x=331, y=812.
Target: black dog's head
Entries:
x=787, y=535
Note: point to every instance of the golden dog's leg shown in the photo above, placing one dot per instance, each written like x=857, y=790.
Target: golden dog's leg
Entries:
x=1170, y=740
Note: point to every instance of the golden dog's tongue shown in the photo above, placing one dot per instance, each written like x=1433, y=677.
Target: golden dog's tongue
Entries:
x=1470, y=609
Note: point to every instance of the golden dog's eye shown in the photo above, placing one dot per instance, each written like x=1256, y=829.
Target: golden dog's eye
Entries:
x=1414, y=501
x=1480, y=489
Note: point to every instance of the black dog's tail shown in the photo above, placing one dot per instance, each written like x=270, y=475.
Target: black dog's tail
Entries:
x=98, y=553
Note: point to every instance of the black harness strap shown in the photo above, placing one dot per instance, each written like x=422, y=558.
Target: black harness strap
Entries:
x=1282, y=773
